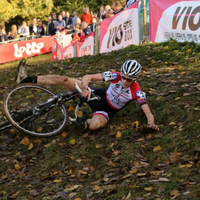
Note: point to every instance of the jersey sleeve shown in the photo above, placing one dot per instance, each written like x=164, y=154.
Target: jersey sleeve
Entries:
x=138, y=94
x=141, y=97
x=111, y=76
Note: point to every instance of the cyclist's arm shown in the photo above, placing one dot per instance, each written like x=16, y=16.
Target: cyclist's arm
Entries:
x=150, y=117
x=88, y=78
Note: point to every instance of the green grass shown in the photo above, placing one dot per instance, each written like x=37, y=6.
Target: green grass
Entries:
x=170, y=78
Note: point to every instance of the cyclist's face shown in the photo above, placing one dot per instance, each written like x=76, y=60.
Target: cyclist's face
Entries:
x=126, y=81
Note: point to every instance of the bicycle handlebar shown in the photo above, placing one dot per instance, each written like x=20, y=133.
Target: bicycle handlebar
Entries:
x=93, y=96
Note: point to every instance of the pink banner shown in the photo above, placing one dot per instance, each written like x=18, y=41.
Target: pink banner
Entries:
x=18, y=50
x=68, y=52
x=177, y=19
x=85, y=46
x=120, y=30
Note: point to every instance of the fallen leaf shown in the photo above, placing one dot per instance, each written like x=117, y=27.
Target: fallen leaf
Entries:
x=122, y=125
x=136, y=125
x=79, y=160
x=140, y=140
x=149, y=136
x=96, y=187
x=116, y=153
x=57, y=180
x=30, y=146
x=25, y=141
x=105, y=179
x=82, y=172
x=118, y=135
x=64, y=134
x=17, y=167
x=71, y=188
x=148, y=189
x=174, y=193
x=112, y=145
x=39, y=130
x=3, y=192
x=128, y=196
x=98, y=146
x=186, y=94
x=134, y=171
x=189, y=50
x=71, y=195
x=72, y=142
x=127, y=176
x=142, y=174
x=14, y=196
x=13, y=131
x=172, y=123
x=163, y=179
x=71, y=108
x=185, y=166
x=158, y=148
x=79, y=113
x=156, y=173
x=4, y=176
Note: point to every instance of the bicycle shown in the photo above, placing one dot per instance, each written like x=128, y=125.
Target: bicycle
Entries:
x=36, y=111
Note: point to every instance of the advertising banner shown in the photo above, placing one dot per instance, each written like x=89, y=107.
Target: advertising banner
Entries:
x=68, y=52
x=29, y=48
x=64, y=40
x=176, y=19
x=85, y=46
x=120, y=30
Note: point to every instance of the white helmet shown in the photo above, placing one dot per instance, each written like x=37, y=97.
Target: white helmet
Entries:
x=131, y=68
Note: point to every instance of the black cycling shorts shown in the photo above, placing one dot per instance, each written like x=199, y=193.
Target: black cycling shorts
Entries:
x=101, y=107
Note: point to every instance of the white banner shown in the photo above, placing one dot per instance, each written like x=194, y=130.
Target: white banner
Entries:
x=176, y=19
x=120, y=30
x=86, y=46
x=64, y=40
x=68, y=52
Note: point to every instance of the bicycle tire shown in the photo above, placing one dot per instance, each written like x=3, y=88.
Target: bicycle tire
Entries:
x=19, y=106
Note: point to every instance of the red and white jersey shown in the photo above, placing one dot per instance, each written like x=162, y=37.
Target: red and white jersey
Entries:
x=117, y=96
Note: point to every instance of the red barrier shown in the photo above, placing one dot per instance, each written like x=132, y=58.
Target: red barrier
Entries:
x=18, y=50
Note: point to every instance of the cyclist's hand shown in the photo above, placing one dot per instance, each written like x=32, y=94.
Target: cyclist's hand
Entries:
x=153, y=127
x=86, y=94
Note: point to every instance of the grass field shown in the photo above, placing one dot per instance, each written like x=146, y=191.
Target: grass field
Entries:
x=121, y=161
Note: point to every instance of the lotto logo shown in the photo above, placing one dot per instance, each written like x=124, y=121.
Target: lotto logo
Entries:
x=30, y=48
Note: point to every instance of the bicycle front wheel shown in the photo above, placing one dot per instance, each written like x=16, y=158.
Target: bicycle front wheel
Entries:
x=21, y=108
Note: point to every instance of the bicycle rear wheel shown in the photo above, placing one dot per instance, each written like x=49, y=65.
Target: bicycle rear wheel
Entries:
x=21, y=108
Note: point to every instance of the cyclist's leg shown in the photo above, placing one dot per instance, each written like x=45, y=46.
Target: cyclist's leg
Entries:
x=58, y=80
x=97, y=122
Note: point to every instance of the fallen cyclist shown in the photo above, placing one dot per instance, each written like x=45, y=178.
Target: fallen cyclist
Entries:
x=123, y=88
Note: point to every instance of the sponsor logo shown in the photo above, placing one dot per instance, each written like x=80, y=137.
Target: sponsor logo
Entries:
x=141, y=95
x=190, y=17
x=30, y=48
x=117, y=85
x=114, y=76
x=118, y=33
x=180, y=21
x=127, y=91
x=110, y=76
